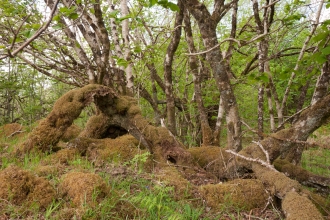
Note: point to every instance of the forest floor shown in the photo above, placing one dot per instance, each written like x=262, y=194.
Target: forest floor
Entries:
x=115, y=179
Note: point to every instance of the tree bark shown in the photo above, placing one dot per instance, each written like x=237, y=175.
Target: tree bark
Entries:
x=323, y=81
x=207, y=24
x=207, y=134
x=170, y=102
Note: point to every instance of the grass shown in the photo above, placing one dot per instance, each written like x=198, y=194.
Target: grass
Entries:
x=317, y=160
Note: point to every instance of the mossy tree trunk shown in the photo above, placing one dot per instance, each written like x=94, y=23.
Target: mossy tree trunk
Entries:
x=120, y=111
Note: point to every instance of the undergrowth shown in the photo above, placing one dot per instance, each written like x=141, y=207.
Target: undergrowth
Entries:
x=132, y=192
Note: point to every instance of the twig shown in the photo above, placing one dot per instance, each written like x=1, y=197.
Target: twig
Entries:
x=18, y=131
x=227, y=39
x=286, y=120
x=263, y=150
x=42, y=29
x=263, y=163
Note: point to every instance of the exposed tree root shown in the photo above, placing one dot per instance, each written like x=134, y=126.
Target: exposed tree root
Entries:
x=122, y=113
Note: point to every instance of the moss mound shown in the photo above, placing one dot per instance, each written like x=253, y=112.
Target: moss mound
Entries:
x=245, y=194
x=71, y=132
x=61, y=157
x=212, y=159
x=11, y=130
x=171, y=177
x=297, y=207
x=83, y=188
x=19, y=186
x=124, y=147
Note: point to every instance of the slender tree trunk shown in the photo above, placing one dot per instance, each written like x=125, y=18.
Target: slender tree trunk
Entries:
x=261, y=111
x=127, y=51
x=207, y=136
x=270, y=109
x=170, y=102
x=301, y=54
x=207, y=25
x=323, y=81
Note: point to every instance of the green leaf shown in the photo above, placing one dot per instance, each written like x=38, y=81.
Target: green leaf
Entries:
x=113, y=14
x=319, y=58
x=326, y=51
x=287, y=8
x=173, y=7
x=137, y=49
x=122, y=62
x=320, y=36
x=57, y=27
x=73, y=16
x=125, y=17
x=36, y=26
x=152, y=2
x=57, y=18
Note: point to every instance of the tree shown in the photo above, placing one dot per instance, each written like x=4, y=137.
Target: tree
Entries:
x=92, y=42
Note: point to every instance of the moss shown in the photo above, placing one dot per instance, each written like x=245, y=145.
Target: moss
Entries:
x=72, y=132
x=321, y=203
x=281, y=183
x=297, y=207
x=64, y=112
x=291, y=170
x=61, y=157
x=122, y=104
x=82, y=144
x=83, y=188
x=11, y=130
x=123, y=148
x=212, y=159
x=96, y=126
x=170, y=176
x=19, y=186
x=49, y=170
x=134, y=110
x=244, y=194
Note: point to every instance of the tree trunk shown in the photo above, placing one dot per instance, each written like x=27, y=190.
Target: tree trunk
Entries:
x=261, y=111
x=127, y=50
x=207, y=136
x=122, y=112
x=323, y=82
x=170, y=102
x=207, y=26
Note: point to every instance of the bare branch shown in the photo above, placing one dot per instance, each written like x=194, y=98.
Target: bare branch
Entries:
x=257, y=160
x=37, y=34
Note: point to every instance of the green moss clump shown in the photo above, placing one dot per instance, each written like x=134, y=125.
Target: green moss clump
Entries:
x=83, y=188
x=72, y=132
x=297, y=207
x=245, y=194
x=19, y=187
